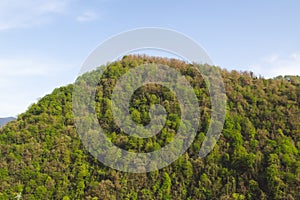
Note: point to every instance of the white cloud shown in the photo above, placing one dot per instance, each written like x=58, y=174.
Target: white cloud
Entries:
x=25, y=66
x=25, y=13
x=275, y=65
x=24, y=79
x=87, y=16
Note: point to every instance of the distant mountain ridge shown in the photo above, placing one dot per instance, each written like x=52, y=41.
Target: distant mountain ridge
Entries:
x=4, y=121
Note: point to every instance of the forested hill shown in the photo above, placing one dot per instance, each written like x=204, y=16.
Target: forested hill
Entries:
x=256, y=157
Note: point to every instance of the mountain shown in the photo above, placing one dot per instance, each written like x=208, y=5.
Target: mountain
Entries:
x=256, y=157
x=4, y=121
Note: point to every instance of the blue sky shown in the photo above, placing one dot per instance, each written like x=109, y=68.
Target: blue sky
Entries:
x=44, y=42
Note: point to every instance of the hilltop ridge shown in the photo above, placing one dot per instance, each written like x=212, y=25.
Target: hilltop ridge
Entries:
x=256, y=157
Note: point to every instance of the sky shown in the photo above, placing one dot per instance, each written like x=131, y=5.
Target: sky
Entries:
x=43, y=43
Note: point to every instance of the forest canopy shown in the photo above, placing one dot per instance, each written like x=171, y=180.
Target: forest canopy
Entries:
x=256, y=157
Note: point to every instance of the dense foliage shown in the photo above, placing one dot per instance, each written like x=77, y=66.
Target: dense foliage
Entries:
x=257, y=156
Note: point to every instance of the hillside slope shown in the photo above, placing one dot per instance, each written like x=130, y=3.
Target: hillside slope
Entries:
x=257, y=156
